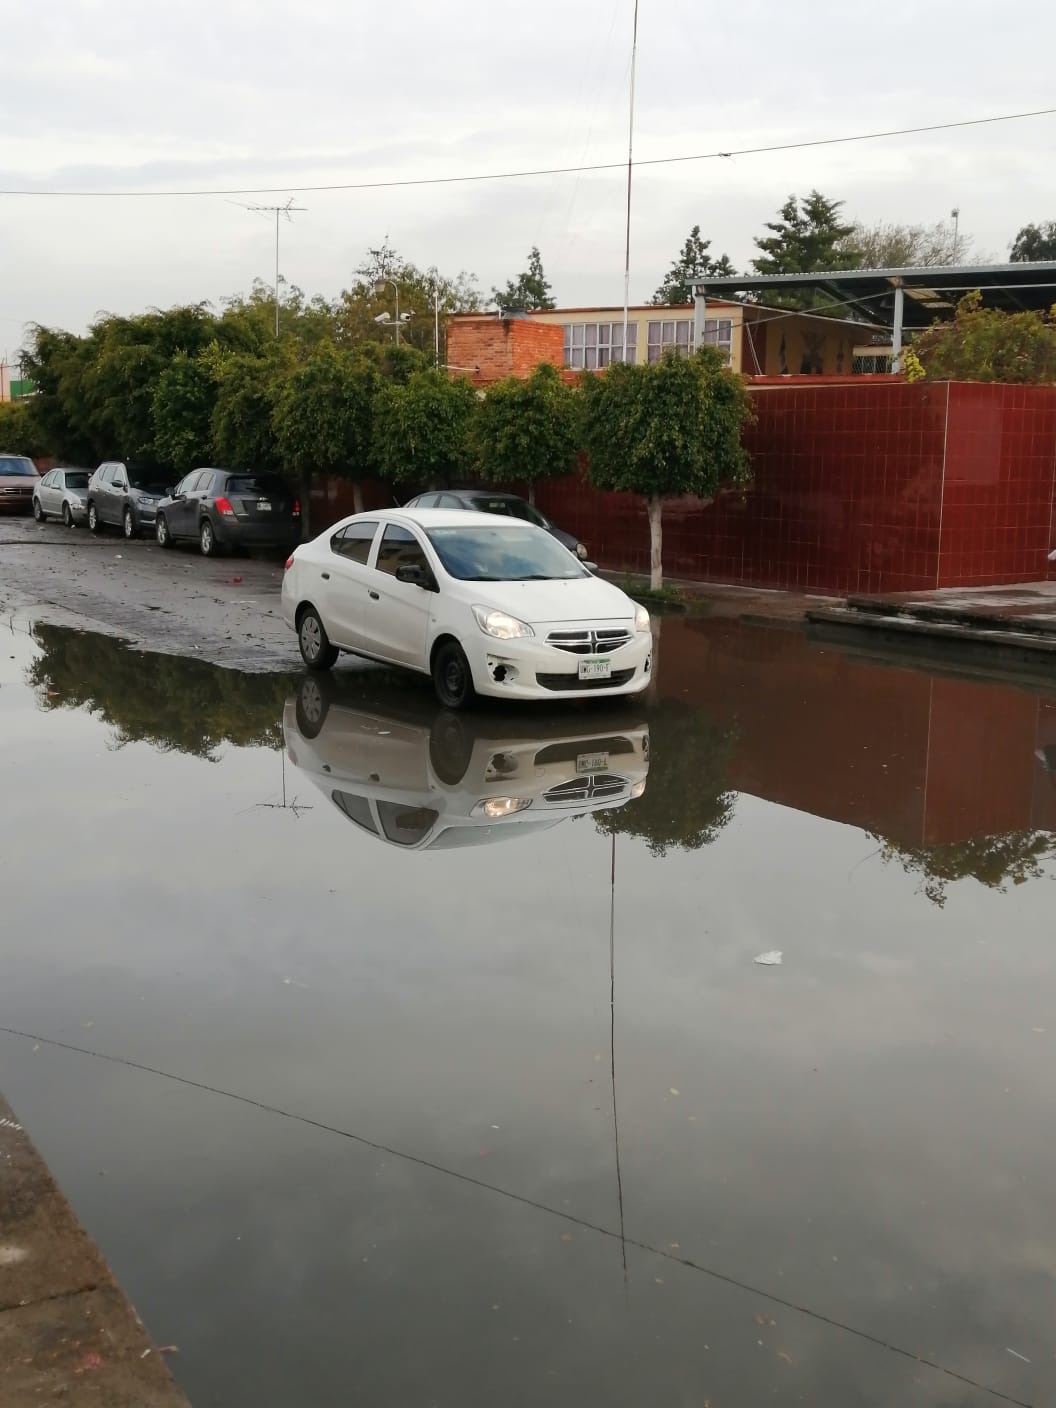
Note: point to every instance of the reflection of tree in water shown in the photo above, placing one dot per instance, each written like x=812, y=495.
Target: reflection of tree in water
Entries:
x=166, y=700
x=686, y=802
x=1012, y=857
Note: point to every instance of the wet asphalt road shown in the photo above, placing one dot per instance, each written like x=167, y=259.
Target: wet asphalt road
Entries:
x=224, y=611
x=364, y=1108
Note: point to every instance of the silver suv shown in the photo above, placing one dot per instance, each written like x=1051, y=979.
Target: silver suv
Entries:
x=125, y=494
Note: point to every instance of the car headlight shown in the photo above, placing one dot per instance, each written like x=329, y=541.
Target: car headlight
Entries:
x=638, y=789
x=497, y=807
x=581, y=552
x=641, y=621
x=499, y=625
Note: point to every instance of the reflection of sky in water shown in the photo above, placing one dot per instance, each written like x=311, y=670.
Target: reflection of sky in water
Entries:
x=863, y=1131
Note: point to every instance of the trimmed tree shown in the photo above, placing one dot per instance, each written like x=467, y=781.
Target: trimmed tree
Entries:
x=421, y=429
x=526, y=429
x=324, y=419
x=184, y=398
x=663, y=429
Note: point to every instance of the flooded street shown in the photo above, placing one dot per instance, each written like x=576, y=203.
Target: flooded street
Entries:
x=393, y=1057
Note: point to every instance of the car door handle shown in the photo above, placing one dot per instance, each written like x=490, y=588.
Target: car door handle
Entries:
x=374, y=596
x=326, y=576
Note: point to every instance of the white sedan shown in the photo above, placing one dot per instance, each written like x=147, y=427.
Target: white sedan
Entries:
x=483, y=606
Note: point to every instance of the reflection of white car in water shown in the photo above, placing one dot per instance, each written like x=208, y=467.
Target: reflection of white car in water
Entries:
x=427, y=779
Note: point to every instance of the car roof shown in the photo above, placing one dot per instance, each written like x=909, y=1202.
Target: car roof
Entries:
x=432, y=518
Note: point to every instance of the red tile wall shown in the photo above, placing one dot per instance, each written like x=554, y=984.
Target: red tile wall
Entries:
x=880, y=487
x=997, y=509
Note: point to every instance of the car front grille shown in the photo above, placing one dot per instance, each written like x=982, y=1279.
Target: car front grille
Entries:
x=585, y=641
x=593, y=787
x=617, y=677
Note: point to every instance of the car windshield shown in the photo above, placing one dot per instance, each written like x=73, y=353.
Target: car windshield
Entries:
x=254, y=484
x=17, y=465
x=78, y=480
x=503, y=554
x=512, y=508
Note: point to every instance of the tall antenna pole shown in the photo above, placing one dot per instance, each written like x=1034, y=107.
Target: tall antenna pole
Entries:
x=630, y=168
x=277, y=210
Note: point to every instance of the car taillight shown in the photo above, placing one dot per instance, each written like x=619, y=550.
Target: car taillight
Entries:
x=296, y=508
x=289, y=562
x=224, y=506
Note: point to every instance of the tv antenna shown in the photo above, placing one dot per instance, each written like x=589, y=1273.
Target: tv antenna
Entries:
x=288, y=210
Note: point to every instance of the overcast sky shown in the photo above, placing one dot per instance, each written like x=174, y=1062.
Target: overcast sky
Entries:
x=131, y=95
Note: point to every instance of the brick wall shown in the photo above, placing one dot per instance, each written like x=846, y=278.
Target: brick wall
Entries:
x=486, y=348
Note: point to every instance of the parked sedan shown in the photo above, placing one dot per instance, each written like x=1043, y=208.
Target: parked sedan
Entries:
x=482, y=606
x=62, y=493
x=229, y=508
x=483, y=501
x=124, y=494
x=18, y=479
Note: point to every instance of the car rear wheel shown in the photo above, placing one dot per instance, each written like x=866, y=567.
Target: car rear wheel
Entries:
x=313, y=704
x=452, y=677
x=94, y=523
x=161, y=532
x=207, y=539
x=128, y=523
x=316, y=650
x=38, y=512
x=67, y=516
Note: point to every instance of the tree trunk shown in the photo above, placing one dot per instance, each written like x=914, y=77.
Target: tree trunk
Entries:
x=531, y=492
x=357, y=496
x=306, y=504
x=655, y=506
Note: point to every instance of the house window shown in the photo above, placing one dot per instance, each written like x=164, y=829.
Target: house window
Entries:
x=594, y=345
x=718, y=332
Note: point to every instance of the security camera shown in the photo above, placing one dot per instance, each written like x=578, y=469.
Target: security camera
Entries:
x=382, y=318
x=406, y=317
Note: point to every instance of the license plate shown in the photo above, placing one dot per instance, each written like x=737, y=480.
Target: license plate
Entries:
x=263, y=505
x=592, y=762
x=598, y=667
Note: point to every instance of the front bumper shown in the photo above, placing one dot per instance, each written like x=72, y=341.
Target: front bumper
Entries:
x=16, y=503
x=532, y=669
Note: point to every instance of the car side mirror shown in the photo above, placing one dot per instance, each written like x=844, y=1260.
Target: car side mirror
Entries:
x=415, y=576
x=591, y=566
x=120, y=484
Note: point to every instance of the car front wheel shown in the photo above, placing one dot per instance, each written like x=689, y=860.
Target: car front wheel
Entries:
x=38, y=512
x=128, y=523
x=161, y=532
x=67, y=516
x=94, y=525
x=452, y=677
x=316, y=650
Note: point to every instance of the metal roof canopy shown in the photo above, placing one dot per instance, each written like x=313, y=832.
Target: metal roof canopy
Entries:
x=926, y=294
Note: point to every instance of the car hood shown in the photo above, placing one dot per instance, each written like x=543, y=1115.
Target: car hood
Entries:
x=573, y=599
x=18, y=481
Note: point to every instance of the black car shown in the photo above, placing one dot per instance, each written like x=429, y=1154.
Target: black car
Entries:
x=482, y=501
x=229, y=508
x=124, y=494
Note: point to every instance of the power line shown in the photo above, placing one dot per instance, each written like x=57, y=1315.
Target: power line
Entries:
x=540, y=171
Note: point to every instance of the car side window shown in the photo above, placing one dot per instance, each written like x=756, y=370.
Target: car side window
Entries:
x=205, y=482
x=107, y=474
x=400, y=548
x=449, y=501
x=48, y=480
x=354, y=541
x=424, y=501
x=118, y=476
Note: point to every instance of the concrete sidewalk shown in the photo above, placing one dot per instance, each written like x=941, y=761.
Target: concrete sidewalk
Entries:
x=67, y=1332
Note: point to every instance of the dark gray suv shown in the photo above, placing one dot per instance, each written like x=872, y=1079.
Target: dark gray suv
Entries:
x=125, y=494
x=229, y=508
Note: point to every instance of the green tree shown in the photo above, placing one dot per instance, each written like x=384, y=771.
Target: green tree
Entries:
x=183, y=405
x=1034, y=243
x=242, y=423
x=529, y=290
x=891, y=246
x=526, y=429
x=421, y=429
x=693, y=263
x=429, y=296
x=663, y=429
x=687, y=800
x=807, y=237
x=986, y=344
x=324, y=418
x=19, y=432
